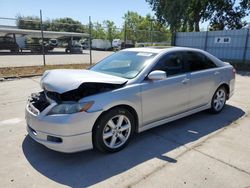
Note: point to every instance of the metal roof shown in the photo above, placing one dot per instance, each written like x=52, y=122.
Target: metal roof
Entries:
x=37, y=33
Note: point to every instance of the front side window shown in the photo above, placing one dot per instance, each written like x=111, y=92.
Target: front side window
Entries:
x=196, y=61
x=126, y=64
x=171, y=63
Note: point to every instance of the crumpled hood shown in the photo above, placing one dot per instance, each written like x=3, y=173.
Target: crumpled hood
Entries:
x=63, y=80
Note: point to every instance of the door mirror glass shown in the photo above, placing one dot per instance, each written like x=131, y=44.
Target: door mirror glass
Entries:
x=157, y=75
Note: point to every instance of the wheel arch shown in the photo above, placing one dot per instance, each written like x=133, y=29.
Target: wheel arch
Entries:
x=128, y=107
x=227, y=87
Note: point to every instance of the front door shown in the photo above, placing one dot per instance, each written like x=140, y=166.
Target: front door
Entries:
x=168, y=97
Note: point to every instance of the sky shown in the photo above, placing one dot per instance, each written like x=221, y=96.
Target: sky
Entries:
x=80, y=10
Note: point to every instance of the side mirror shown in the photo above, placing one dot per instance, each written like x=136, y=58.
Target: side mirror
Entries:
x=157, y=75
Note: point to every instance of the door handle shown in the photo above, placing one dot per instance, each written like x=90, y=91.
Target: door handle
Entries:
x=216, y=72
x=185, y=81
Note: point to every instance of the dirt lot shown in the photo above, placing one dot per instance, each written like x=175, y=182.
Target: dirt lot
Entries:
x=28, y=71
x=202, y=150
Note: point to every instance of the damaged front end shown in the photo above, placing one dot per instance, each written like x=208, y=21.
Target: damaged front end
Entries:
x=63, y=96
x=84, y=90
x=68, y=102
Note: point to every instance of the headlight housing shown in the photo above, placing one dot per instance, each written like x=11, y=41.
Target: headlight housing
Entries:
x=70, y=108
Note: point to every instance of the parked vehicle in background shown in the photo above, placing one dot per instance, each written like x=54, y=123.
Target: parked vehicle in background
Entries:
x=21, y=41
x=116, y=44
x=8, y=43
x=85, y=43
x=130, y=91
x=100, y=44
x=74, y=47
x=127, y=45
x=53, y=43
x=35, y=45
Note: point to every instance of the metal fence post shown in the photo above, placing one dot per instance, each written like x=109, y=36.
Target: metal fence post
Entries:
x=41, y=25
x=173, y=39
x=205, y=45
x=245, y=48
x=90, y=41
x=151, y=31
x=125, y=35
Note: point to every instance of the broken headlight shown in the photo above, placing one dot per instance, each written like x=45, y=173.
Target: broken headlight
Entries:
x=70, y=108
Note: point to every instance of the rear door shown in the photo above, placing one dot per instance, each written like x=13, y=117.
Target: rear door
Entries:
x=204, y=78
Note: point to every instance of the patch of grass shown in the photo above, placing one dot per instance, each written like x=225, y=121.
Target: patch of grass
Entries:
x=36, y=70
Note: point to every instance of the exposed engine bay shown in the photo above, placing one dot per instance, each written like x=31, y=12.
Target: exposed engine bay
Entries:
x=40, y=102
x=84, y=90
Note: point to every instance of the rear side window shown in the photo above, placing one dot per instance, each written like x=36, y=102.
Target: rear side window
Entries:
x=196, y=61
x=170, y=63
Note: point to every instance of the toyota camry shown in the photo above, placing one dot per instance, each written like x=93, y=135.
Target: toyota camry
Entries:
x=126, y=93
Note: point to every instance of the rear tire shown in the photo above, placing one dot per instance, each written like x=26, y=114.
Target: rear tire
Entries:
x=113, y=130
x=219, y=100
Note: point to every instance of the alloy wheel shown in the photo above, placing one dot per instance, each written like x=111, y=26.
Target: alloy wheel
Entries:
x=117, y=131
x=219, y=99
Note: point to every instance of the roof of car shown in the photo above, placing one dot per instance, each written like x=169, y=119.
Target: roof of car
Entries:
x=159, y=49
x=164, y=49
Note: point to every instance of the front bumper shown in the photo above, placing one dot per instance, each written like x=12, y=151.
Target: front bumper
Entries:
x=68, y=144
x=65, y=132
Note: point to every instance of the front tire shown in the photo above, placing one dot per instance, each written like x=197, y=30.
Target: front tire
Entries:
x=113, y=130
x=218, y=100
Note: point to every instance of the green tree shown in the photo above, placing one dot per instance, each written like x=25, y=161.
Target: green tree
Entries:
x=28, y=22
x=230, y=14
x=60, y=24
x=172, y=13
x=141, y=29
x=186, y=15
x=67, y=24
x=111, y=31
x=98, y=31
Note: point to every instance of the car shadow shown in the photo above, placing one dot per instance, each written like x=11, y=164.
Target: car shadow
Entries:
x=90, y=167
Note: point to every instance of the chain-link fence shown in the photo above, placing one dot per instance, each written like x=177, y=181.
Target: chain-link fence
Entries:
x=32, y=41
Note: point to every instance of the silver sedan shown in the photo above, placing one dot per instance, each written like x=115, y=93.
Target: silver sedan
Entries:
x=130, y=91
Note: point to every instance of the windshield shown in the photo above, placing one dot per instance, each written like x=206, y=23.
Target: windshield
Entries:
x=124, y=64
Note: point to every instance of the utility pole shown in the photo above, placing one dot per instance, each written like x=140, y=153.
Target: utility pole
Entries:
x=41, y=25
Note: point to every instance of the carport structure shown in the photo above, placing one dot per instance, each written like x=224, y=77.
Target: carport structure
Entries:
x=15, y=32
x=37, y=33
